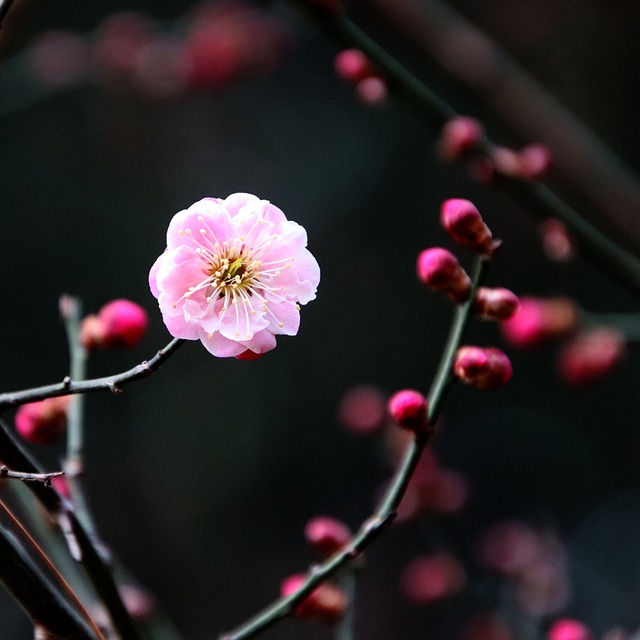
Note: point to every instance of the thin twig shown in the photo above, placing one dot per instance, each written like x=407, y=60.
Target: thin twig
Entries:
x=113, y=383
x=52, y=568
x=386, y=510
x=620, y=264
x=45, y=478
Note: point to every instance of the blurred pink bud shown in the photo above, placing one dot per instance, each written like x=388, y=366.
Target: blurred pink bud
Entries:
x=509, y=546
x=440, y=270
x=485, y=368
x=353, y=66
x=363, y=409
x=487, y=626
x=506, y=162
x=459, y=137
x=43, y=422
x=120, y=324
x=535, y=161
x=569, y=629
x=557, y=242
x=496, y=304
x=445, y=493
x=61, y=485
x=540, y=319
x=327, y=603
x=542, y=588
x=463, y=222
x=161, y=68
x=58, y=58
x=432, y=577
x=408, y=408
x=372, y=91
x=212, y=56
x=326, y=535
x=591, y=355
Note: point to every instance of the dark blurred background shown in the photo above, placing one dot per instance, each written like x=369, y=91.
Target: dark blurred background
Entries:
x=203, y=477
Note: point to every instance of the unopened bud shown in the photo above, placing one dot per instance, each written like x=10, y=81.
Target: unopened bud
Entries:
x=43, y=422
x=569, y=629
x=495, y=304
x=535, y=161
x=539, y=320
x=463, y=222
x=120, y=324
x=353, y=66
x=440, y=270
x=409, y=408
x=249, y=355
x=326, y=535
x=327, y=603
x=372, y=90
x=432, y=577
x=591, y=356
x=557, y=242
x=485, y=368
x=459, y=137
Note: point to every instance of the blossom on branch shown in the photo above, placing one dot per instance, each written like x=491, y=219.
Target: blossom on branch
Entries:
x=234, y=275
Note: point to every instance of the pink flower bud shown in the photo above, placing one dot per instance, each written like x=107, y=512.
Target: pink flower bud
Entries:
x=372, y=91
x=463, y=222
x=440, y=270
x=432, y=577
x=60, y=484
x=496, y=304
x=363, y=409
x=535, y=161
x=591, y=355
x=408, y=408
x=485, y=368
x=568, y=629
x=353, y=66
x=327, y=603
x=139, y=603
x=539, y=320
x=120, y=324
x=557, y=242
x=460, y=136
x=43, y=422
x=326, y=535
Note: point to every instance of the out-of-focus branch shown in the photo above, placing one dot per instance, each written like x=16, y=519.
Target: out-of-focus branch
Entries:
x=385, y=512
x=5, y=5
x=108, y=383
x=471, y=56
x=29, y=477
x=618, y=263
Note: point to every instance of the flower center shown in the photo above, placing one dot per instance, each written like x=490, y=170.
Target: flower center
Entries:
x=231, y=270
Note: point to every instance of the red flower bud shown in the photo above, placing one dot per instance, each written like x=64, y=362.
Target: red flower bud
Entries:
x=485, y=368
x=591, y=355
x=326, y=604
x=249, y=355
x=459, y=137
x=353, y=66
x=408, y=408
x=440, y=270
x=120, y=324
x=43, y=422
x=463, y=222
x=568, y=629
x=538, y=320
x=432, y=577
x=496, y=304
x=326, y=535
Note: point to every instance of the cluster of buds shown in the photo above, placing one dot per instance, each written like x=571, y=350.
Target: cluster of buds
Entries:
x=530, y=163
x=587, y=353
x=222, y=42
x=120, y=324
x=440, y=270
x=355, y=68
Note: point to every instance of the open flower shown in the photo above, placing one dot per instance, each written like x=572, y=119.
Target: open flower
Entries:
x=234, y=275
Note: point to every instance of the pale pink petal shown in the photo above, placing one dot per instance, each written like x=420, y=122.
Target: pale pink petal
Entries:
x=153, y=274
x=262, y=342
x=220, y=346
x=285, y=318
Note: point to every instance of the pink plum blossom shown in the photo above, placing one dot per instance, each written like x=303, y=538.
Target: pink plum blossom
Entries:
x=234, y=275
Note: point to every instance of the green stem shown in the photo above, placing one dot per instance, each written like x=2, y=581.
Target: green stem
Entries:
x=385, y=512
x=344, y=629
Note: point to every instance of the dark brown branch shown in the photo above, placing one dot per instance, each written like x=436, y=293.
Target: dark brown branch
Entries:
x=45, y=478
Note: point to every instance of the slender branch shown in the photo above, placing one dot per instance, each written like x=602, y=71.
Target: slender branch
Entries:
x=344, y=630
x=620, y=264
x=385, y=512
x=53, y=569
x=5, y=5
x=45, y=478
x=113, y=383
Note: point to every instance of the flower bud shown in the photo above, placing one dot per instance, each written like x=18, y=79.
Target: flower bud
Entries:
x=557, y=242
x=432, y=577
x=485, y=368
x=362, y=409
x=43, y=422
x=539, y=319
x=353, y=66
x=463, y=222
x=460, y=136
x=327, y=603
x=372, y=90
x=120, y=324
x=590, y=356
x=440, y=270
x=569, y=629
x=408, y=408
x=326, y=535
x=249, y=355
x=495, y=304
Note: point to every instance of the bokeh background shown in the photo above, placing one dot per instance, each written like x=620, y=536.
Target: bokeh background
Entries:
x=203, y=476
